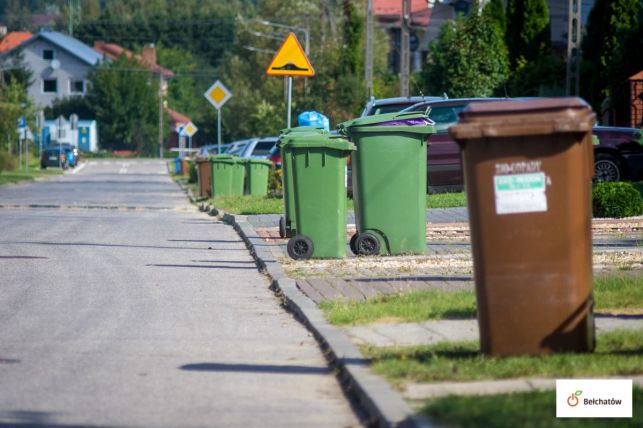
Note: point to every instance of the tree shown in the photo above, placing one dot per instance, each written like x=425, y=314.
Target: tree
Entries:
x=468, y=59
x=125, y=99
x=528, y=33
x=14, y=103
x=494, y=11
x=610, y=55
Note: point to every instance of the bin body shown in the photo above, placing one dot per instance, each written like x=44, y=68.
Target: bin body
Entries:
x=389, y=179
x=177, y=165
x=257, y=171
x=204, y=170
x=226, y=178
x=289, y=218
x=318, y=163
x=528, y=167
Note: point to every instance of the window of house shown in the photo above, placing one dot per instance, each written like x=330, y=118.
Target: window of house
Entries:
x=77, y=86
x=50, y=85
x=48, y=54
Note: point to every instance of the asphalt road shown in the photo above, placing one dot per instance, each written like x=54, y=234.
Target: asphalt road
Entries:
x=123, y=306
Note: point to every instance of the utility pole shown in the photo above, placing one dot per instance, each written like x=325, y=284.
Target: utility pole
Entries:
x=405, y=54
x=160, y=114
x=368, y=57
x=572, y=81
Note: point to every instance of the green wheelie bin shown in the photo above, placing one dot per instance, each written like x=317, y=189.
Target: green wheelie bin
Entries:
x=227, y=175
x=288, y=222
x=319, y=178
x=389, y=182
x=257, y=171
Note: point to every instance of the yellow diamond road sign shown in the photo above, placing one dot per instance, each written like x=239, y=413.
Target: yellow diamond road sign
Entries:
x=217, y=94
x=189, y=129
x=290, y=60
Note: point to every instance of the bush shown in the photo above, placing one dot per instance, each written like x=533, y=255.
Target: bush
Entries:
x=192, y=172
x=275, y=187
x=7, y=162
x=616, y=199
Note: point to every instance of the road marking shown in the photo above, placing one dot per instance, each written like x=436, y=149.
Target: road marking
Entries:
x=123, y=169
x=79, y=168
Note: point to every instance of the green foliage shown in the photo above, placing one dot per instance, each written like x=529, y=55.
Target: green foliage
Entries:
x=468, y=59
x=14, y=103
x=544, y=76
x=125, y=98
x=204, y=28
x=611, y=54
x=616, y=199
x=494, y=11
x=7, y=162
x=528, y=31
x=66, y=106
x=192, y=174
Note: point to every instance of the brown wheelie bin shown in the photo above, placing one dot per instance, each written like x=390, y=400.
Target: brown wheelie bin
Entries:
x=204, y=173
x=185, y=166
x=528, y=167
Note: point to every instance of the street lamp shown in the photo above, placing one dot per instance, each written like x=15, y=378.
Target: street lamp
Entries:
x=292, y=28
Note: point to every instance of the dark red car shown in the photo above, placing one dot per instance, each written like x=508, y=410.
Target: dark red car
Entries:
x=618, y=153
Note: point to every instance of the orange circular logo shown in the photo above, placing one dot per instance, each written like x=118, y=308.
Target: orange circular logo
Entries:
x=572, y=400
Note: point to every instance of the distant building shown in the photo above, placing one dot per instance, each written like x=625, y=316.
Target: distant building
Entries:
x=85, y=137
x=59, y=63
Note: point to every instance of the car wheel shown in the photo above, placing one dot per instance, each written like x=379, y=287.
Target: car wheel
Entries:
x=300, y=247
x=607, y=168
x=351, y=243
x=367, y=244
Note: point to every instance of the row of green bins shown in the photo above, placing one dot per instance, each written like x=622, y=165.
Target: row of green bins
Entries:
x=232, y=175
x=318, y=166
x=389, y=182
x=288, y=222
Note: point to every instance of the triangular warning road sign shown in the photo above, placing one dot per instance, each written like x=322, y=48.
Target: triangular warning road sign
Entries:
x=290, y=60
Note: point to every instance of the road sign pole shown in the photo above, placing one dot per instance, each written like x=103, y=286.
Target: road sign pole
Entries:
x=289, y=101
x=20, y=162
x=219, y=131
x=26, y=152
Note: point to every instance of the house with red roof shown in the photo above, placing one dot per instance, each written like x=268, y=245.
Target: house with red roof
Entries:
x=13, y=39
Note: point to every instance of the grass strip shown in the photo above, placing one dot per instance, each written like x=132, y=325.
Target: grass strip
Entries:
x=613, y=294
x=408, y=307
x=35, y=172
x=247, y=205
x=618, y=292
x=446, y=200
x=535, y=409
x=617, y=353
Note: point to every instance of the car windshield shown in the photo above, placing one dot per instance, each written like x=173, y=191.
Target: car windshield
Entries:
x=263, y=148
x=387, y=108
x=445, y=116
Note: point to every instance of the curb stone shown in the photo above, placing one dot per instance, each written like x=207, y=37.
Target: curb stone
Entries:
x=382, y=406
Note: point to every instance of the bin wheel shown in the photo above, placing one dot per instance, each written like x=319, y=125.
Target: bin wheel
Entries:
x=351, y=243
x=282, y=226
x=367, y=244
x=300, y=247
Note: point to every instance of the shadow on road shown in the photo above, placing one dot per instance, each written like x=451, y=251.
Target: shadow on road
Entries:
x=254, y=368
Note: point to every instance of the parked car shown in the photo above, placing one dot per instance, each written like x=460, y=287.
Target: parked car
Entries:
x=391, y=105
x=55, y=156
x=255, y=147
x=618, y=153
x=72, y=154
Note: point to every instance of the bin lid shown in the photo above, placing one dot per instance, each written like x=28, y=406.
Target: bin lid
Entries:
x=408, y=121
x=309, y=140
x=296, y=129
x=514, y=118
x=223, y=158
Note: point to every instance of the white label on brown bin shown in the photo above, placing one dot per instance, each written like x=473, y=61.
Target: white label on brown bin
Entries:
x=520, y=193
